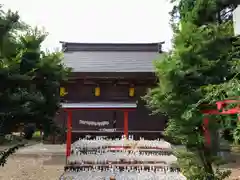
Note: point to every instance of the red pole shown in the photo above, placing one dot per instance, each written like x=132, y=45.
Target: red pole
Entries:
x=126, y=124
x=206, y=131
x=69, y=133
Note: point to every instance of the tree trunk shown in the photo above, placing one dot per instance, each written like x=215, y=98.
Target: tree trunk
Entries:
x=204, y=155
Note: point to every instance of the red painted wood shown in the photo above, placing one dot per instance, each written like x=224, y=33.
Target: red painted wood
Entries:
x=220, y=105
x=126, y=124
x=206, y=131
x=228, y=101
x=224, y=112
x=69, y=133
x=232, y=111
x=218, y=111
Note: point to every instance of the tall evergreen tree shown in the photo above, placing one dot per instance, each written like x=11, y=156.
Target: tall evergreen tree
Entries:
x=30, y=79
x=201, y=68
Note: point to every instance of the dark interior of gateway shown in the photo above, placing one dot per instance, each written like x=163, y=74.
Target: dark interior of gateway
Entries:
x=82, y=125
x=150, y=129
x=113, y=131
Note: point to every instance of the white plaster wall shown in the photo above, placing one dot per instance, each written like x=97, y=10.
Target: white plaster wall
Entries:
x=236, y=19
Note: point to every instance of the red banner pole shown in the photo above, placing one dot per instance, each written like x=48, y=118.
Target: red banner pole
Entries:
x=206, y=132
x=69, y=133
x=126, y=124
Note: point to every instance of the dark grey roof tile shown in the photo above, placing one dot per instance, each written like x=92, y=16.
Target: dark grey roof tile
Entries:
x=108, y=61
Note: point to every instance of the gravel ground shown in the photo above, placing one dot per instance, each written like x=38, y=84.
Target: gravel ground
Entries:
x=234, y=166
x=24, y=168
x=35, y=168
x=235, y=174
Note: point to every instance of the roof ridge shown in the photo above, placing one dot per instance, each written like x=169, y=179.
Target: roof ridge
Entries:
x=147, y=47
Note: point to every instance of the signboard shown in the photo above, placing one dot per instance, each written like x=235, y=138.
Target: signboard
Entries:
x=236, y=20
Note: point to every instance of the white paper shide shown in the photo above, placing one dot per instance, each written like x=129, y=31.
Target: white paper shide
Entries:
x=94, y=123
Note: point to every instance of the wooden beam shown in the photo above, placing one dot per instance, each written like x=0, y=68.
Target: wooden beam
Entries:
x=143, y=82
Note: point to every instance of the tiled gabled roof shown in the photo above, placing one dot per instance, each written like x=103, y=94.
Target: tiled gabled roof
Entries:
x=111, y=57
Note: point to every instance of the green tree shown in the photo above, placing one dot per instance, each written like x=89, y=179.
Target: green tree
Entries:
x=200, y=70
x=47, y=72
x=10, y=50
x=51, y=72
x=30, y=79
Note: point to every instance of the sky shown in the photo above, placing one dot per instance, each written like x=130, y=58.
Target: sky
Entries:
x=97, y=21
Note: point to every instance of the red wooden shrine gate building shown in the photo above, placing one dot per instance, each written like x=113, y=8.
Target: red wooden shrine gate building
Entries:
x=106, y=85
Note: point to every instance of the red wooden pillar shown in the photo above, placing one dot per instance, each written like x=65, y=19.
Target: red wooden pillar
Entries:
x=126, y=123
x=69, y=133
x=206, y=132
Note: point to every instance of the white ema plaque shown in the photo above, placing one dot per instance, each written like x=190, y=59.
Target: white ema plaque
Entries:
x=94, y=123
